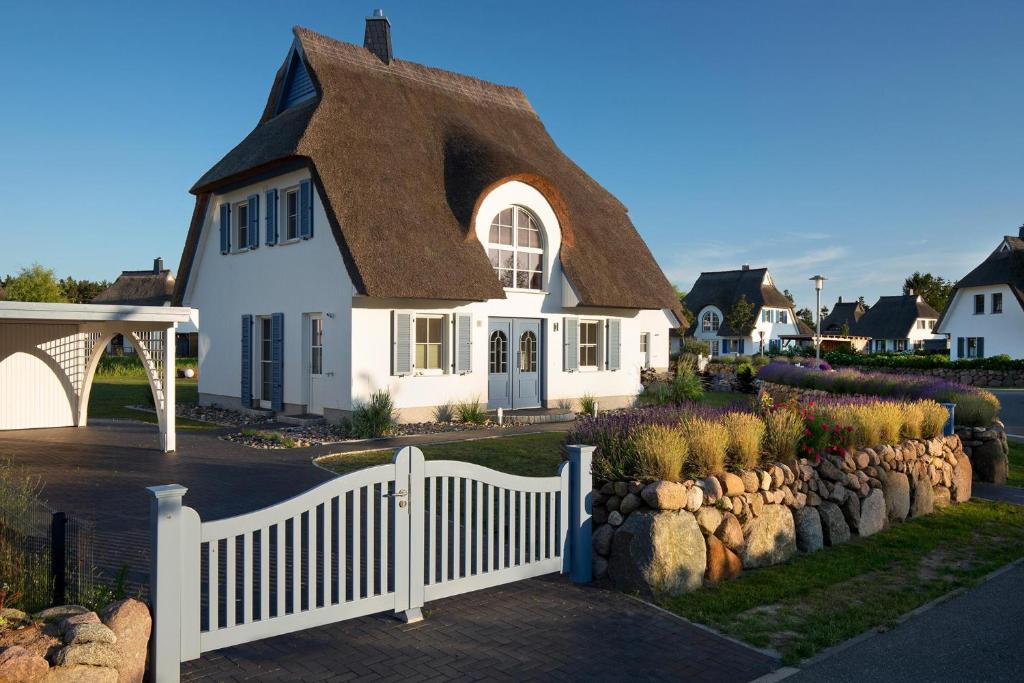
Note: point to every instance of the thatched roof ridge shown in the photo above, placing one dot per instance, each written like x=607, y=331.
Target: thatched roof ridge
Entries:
x=139, y=288
x=893, y=317
x=723, y=288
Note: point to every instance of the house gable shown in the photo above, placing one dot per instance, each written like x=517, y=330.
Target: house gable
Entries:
x=298, y=85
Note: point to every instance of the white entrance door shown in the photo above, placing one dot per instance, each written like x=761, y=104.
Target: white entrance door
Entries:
x=316, y=364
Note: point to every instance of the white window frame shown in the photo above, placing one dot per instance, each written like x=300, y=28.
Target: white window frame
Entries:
x=598, y=360
x=443, y=369
x=1000, y=300
x=967, y=347
x=710, y=315
x=977, y=298
x=290, y=191
x=782, y=317
x=236, y=216
x=645, y=348
x=515, y=248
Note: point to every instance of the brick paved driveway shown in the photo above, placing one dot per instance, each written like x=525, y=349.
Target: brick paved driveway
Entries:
x=540, y=629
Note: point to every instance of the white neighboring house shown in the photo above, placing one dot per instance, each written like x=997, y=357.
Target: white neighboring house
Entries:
x=715, y=293
x=985, y=314
x=898, y=324
x=392, y=226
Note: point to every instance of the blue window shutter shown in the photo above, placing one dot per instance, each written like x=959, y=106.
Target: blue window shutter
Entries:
x=742, y=345
x=305, y=209
x=959, y=347
x=271, y=213
x=981, y=347
x=614, y=344
x=725, y=346
x=246, y=393
x=225, y=228
x=401, y=342
x=572, y=344
x=463, y=343
x=277, y=361
x=254, y=221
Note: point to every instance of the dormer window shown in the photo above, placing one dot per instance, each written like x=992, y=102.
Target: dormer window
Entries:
x=515, y=249
x=710, y=322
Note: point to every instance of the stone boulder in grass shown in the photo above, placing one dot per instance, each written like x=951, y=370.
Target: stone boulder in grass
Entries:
x=769, y=538
x=658, y=554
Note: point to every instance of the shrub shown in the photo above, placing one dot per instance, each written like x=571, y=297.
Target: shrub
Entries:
x=588, y=404
x=614, y=455
x=655, y=394
x=685, y=386
x=745, y=374
x=746, y=433
x=694, y=347
x=821, y=435
x=660, y=451
x=470, y=411
x=374, y=418
x=444, y=412
x=783, y=429
x=935, y=418
x=707, y=440
x=975, y=409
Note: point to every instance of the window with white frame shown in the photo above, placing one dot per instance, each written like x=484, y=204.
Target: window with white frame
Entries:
x=290, y=216
x=710, y=322
x=645, y=348
x=766, y=315
x=242, y=225
x=900, y=344
x=429, y=342
x=589, y=331
x=972, y=347
x=997, y=302
x=516, y=250
x=783, y=317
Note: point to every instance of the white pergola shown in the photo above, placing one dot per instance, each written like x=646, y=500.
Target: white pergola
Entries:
x=49, y=354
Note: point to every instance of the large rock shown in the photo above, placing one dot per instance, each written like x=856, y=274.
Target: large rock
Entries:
x=709, y=519
x=851, y=511
x=92, y=654
x=81, y=673
x=896, y=488
x=833, y=525
x=658, y=553
x=88, y=633
x=694, y=498
x=598, y=567
x=34, y=638
x=962, y=475
x=664, y=495
x=601, y=541
x=731, y=484
x=808, y=530
x=723, y=563
x=630, y=503
x=769, y=538
x=872, y=513
x=942, y=497
x=990, y=462
x=18, y=664
x=751, y=483
x=923, y=500
x=730, y=532
x=60, y=612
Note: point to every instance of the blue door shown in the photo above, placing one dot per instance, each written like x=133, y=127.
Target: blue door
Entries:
x=526, y=370
x=499, y=372
x=514, y=360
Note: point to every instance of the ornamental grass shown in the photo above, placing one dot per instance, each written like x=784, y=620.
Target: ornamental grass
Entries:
x=708, y=440
x=660, y=450
x=746, y=435
x=784, y=427
x=935, y=418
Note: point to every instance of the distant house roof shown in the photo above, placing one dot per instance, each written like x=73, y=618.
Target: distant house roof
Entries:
x=1004, y=266
x=402, y=155
x=153, y=287
x=724, y=288
x=893, y=317
x=848, y=312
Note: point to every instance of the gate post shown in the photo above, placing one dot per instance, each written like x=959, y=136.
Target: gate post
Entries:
x=580, y=508
x=408, y=515
x=165, y=580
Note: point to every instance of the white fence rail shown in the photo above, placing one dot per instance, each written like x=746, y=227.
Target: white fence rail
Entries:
x=386, y=538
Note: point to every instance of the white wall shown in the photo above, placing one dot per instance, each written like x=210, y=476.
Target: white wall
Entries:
x=304, y=276
x=1003, y=332
x=41, y=370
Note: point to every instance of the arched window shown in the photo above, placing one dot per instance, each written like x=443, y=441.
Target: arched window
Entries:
x=515, y=249
x=710, y=322
x=499, y=353
x=528, y=352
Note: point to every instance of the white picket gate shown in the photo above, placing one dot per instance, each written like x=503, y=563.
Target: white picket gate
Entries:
x=386, y=538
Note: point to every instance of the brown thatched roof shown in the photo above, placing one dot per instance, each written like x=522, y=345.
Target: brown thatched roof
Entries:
x=723, y=288
x=154, y=287
x=403, y=153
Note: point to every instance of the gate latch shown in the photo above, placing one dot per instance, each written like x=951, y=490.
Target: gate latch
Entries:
x=398, y=494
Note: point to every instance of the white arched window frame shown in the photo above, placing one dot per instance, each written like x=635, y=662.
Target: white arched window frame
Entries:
x=710, y=321
x=515, y=247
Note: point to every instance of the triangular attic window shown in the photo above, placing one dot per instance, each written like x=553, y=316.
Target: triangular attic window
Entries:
x=298, y=86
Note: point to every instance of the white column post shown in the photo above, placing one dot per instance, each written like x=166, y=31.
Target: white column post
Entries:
x=168, y=440
x=580, y=507
x=165, y=580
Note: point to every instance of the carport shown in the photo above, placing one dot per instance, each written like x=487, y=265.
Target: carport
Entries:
x=49, y=354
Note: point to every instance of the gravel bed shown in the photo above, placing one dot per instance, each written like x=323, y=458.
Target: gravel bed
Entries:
x=326, y=434
x=217, y=416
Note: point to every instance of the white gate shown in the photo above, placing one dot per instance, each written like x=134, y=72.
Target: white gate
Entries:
x=386, y=538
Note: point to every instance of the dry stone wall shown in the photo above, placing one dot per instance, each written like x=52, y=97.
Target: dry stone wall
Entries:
x=969, y=376
x=666, y=538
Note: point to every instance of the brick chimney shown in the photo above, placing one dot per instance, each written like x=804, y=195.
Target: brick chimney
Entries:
x=158, y=265
x=377, y=38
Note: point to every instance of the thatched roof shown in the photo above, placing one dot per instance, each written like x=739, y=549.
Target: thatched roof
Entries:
x=848, y=312
x=724, y=288
x=402, y=155
x=1004, y=266
x=893, y=317
x=154, y=287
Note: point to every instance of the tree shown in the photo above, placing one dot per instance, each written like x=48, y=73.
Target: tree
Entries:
x=789, y=295
x=741, y=317
x=81, y=291
x=861, y=301
x=844, y=329
x=681, y=295
x=806, y=316
x=934, y=290
x=34, y=283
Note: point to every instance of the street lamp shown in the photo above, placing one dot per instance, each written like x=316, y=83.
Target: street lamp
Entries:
x=819, y=282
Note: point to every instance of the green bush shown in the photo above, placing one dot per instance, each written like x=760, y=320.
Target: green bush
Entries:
x=588, y=404
x=685, y=386
x=655, y=394
x=745, y=374
x=930, y=361
x=694, y=347
x=470, y=412
x=975, y=410
x=374, y=418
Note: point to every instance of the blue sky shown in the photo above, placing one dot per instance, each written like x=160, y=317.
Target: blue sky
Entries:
x=861, y=139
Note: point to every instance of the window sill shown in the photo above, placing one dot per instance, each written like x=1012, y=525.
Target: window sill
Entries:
x=429, y=373
x=517, y=290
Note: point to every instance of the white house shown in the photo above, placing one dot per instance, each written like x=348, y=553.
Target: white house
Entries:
x=392, y=226
x=897, y=324
x=715, y=294
x=985, y=314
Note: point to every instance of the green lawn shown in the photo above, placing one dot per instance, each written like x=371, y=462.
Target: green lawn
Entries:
x=110, y=395
x=1015, y=477
x=530, y=455
x=816, y=601
x=724, y=398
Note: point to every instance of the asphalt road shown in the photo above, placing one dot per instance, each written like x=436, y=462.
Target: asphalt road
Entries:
x=1012, y=413
x=975, y=636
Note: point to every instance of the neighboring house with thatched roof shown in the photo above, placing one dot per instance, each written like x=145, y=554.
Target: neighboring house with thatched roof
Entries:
x=713, y=297
x=390, y=226
x=897, y=324
x=985, y=314
x=153, y=287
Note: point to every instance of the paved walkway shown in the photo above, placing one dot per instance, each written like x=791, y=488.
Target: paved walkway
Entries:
x=1009, y=494
x=541, y=629
x=975, y=636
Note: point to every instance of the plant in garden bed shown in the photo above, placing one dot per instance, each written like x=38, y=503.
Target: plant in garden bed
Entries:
x=444, y=412
x=661, y=451
x=746, y=434
x=707, y=439
x=470, y=412
x=374, y=418
x=588, y=404
x=820, y=436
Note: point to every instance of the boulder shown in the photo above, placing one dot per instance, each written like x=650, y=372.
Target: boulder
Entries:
x=630, y=503
x=130, y=621
x=81, y=673
x=896, y=489
x=694, y=498
x=712, y=490
x=612, y=504
x=730, y=532
x=808, y=530
x=18, y=664
x=709, y=519
x=598, y=567
x=86, y=618
x=990, y=462
x=664, y=495
x=59, y=613
x=658, y=553
x=601, y=541
x=769, y=538
x=923, y=500
x=765, y=480
x=620, y=488
x=872, y=513
x=723, y=563
x=92, y=654
x=962, y=475
x=851, y=511
x=732, y=485
x=833, y=524
x=750, y=481
x=941, y=497
x=615, y=518
x=35, y=638
x=88, y=633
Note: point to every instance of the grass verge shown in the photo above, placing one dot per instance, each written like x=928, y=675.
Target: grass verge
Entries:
x=1015, y=476
x=529, y=455
x=110, y=395
x=819, y=600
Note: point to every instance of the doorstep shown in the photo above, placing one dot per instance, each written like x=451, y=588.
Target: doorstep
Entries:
x=525, y=416
x=301, y=420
